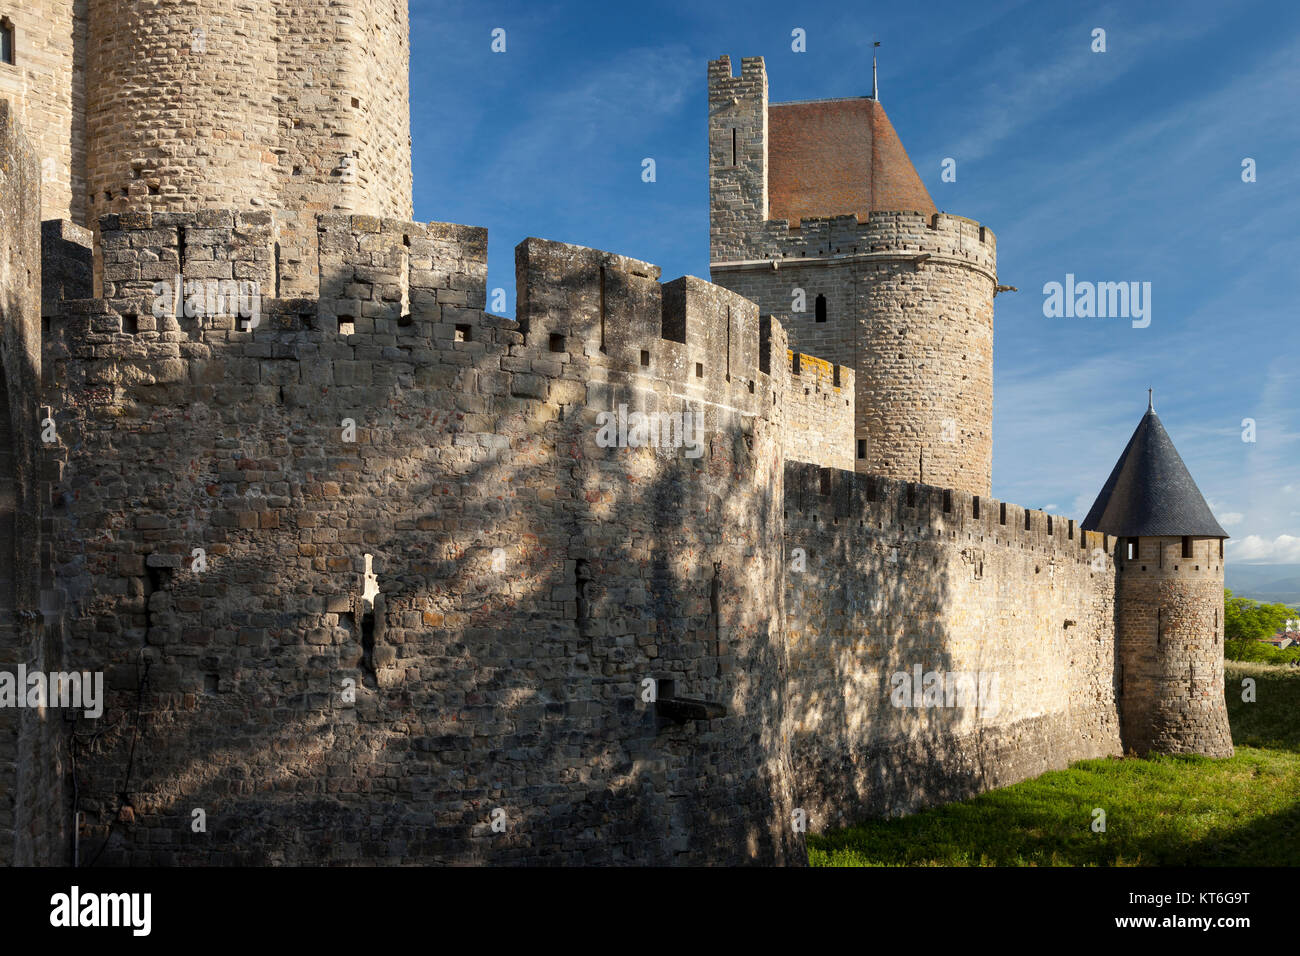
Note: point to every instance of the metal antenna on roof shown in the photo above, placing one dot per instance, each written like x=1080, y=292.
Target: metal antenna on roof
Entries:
x=875, y=85
x=1151, y=404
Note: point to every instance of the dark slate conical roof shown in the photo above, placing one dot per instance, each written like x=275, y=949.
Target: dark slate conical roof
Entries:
x=1151, y=492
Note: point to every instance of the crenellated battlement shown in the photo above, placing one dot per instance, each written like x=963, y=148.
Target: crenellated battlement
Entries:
x=953, y=240
x=831, y=496
x=724, y=81
x=190, y=298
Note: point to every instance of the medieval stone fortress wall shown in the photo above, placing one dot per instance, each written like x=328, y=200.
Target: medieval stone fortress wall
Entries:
x=646, y=574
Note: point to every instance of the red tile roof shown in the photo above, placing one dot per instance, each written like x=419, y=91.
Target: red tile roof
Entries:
x=838, y=157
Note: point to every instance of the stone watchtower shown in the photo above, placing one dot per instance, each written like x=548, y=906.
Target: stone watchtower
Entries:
x=1168, y=600
x=184, y=105
x=817, y=214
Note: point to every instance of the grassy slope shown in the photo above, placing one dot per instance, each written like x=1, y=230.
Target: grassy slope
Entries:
x=1160, y=811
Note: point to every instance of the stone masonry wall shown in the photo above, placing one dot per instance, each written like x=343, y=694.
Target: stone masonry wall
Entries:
x=299, y=105
x=46, y=84
x=345, y=121
x=819, y=412
x=491, y=581
x=893, y=576
x=181, y=111
x=737, y=154
x=1169, y=613
x=909, y=305
x=33, y=812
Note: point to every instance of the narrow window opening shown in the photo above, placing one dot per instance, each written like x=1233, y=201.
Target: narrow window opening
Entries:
x=556, y=342
x=1049, y=526
x=1220, y=547
x=820, y=307
x=7, y=53
x=733, y=146
x=911, y=495
x=1131, y=551
x=975, y=507
x=1028, y=515
x=862, y=449
x=404, y=320
x=463, y=333
x=715, y=605
x=1002, y=517
x=835, y=375
x=347, y=325
x=602, y=308
x=1187, y=546
x=825, y=482
x=45, y=325
x=368, y=646
x=130, y=323
x=947, y=502
x=581, y=579
x=645, y=358
x=728, y=343
x=1070, y=530
x=699, y=370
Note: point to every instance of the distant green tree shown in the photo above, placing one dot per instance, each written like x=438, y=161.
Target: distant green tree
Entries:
x=1246, y=623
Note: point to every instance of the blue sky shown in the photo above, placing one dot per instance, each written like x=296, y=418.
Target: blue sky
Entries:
x=1115, y=166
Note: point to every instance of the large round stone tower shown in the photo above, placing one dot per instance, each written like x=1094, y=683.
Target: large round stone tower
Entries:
x=1168, y=600
x=817, y=214
x=194, y=104
x=186, y=105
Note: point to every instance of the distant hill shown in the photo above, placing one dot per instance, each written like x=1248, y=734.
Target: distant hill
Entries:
x=1271, y=583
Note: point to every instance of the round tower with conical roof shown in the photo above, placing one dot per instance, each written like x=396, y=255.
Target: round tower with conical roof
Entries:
x=1168, y=600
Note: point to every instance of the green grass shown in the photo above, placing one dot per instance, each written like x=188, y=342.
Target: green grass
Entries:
x=1160, y=811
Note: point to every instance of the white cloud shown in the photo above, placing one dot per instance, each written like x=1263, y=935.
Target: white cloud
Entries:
x=1231, y=518
x=1284, y=549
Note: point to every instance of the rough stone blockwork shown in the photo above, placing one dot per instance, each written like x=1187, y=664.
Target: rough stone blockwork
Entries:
x=1169, y=608
x=46, y=86
x=899, y=576
x=526, y=580
x=907, y=301
x=33, y=813
x=819, y=412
